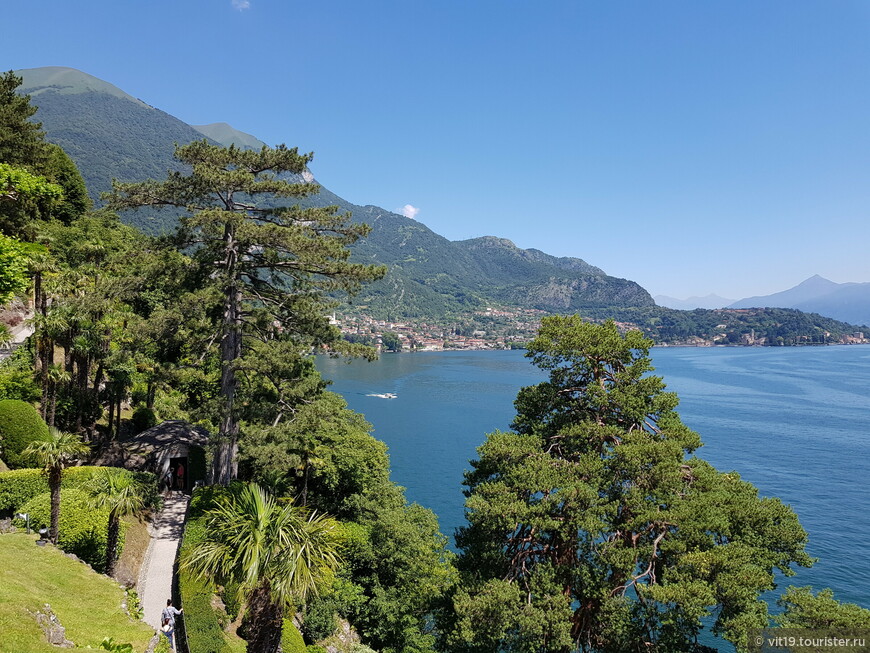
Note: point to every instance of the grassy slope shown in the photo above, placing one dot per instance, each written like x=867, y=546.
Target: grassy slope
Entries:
x=87, y=604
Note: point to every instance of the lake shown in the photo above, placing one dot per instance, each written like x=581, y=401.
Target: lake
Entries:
x=793, y=421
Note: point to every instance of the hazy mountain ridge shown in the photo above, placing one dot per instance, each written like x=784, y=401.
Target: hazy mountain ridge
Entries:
x=710, y=301
x=221, y=132
x=848, y=302
x=110, y=134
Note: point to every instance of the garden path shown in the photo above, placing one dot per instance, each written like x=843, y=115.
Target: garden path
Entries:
x=155, y=578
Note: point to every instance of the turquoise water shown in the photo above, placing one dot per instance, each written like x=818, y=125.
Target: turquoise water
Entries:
x=793, y=421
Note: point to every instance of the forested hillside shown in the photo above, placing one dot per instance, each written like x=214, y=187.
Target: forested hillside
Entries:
x=111, y=135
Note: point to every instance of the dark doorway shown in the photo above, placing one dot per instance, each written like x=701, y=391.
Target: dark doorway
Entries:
x=180, y=474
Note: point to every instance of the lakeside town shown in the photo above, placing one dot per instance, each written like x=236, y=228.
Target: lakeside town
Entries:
x=511, y=328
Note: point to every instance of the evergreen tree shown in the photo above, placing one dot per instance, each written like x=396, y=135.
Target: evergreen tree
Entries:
x=591, y=526
x=272, y=265
x=22, y=141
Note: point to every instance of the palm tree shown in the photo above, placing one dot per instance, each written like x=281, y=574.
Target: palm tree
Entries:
x=279, y=554
x=122, y=495
x=53, y=453
x=56, y=375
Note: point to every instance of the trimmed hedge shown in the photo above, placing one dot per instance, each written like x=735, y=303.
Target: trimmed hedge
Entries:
x=291, y=638
x=20, y=425
x=143, y=418
x=202, y=623
x=82, y=529
x=20, y=485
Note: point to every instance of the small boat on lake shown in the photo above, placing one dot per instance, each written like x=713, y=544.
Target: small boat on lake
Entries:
x=382, y=395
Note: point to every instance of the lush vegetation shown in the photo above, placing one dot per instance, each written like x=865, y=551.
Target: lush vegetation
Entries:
x=592, y=526
x=82, y=529
x=20, y=485
x=20, y=425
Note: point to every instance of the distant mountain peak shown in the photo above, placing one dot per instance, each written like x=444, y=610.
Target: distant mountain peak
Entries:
x=226, y=134
x=67, y=81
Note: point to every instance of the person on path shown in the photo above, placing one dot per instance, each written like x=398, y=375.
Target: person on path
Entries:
x=179, y=475
x=169, y=630
x=170, y=612
x=167, y=482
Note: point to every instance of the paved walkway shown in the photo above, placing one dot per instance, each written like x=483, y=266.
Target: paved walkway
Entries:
x=155, y=578
x=19, y=334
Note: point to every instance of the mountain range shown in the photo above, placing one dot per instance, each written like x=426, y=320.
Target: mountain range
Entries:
x=849, y=302
x=110, y=134
x=708, y=301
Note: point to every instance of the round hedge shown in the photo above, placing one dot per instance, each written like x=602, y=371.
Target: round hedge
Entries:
x=20, y=425
x=82, y=529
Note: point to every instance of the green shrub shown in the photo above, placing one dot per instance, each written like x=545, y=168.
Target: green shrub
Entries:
x=143, y=418
x=291, y=638
x=315, y=649
x=202, y=623
x=150, y=489
x=20, y=425
x=361, y=648
x=16, y=377
x=320, y=620
x=82, y=529
x=230, y=597
x=20, y=485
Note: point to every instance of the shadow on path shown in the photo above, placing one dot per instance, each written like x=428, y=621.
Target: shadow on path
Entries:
x=155, y=579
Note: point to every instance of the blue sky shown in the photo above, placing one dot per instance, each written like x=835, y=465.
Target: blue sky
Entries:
x=693, y=147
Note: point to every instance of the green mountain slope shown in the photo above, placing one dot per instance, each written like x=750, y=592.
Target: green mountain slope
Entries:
x=110, y=134
x=221, y=132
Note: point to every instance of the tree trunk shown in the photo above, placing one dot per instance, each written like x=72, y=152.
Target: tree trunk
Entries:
x=111, y=414
x=118, y=415
x=53, y=402
x=263, y=621
x=112, y=544
x=54, y=477
x=225, y=467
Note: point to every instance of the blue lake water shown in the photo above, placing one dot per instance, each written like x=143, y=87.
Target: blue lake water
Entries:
x=793, y=421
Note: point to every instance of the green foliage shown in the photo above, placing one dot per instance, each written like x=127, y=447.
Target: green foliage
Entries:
x=803, y=609
x=18, y=486
x=134, y=605
x=82, y=528
x=13, y=265
x=143, y=418
x=21, y=140
x=73, y=200
x=391, y=341
x=291, y=638
x=16, y=378
x=593, y=501
x=320, y=620
x=231, y=597
x=109, y=644
x=202, y=622
x=274, y=264
x=20, y=425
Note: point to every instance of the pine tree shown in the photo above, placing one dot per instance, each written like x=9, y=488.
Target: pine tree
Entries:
x=274, y=266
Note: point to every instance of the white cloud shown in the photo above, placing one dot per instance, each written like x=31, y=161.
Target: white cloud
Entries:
x=241, y=4
x=409, y=211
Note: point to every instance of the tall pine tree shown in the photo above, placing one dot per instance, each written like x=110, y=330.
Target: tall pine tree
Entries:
x=273, y=266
